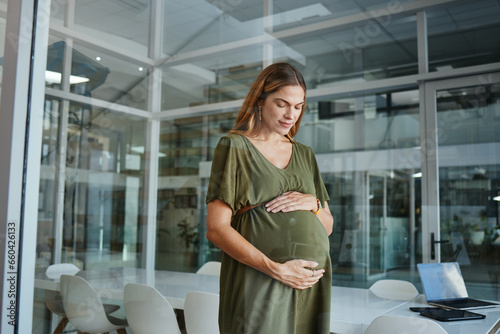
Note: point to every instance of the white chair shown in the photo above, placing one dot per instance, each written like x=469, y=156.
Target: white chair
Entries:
x=388, y=324
x=394, y=289
x=53, y=299
x=210, y=268
x=148, y=312
x=84, y=308
x=201, y=313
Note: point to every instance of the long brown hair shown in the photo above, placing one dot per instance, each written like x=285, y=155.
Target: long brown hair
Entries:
x=270, y=80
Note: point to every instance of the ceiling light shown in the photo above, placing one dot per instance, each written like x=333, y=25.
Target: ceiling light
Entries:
x=55, y=78
x=98, y=58
x=496, y=198
x=419, y=174
x=141, y=68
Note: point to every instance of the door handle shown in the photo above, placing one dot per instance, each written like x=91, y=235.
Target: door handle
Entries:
x=433, y=245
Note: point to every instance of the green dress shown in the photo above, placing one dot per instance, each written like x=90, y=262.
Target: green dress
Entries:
x=252, y=302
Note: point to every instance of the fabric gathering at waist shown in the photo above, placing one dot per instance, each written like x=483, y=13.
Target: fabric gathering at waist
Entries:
x=246, y=208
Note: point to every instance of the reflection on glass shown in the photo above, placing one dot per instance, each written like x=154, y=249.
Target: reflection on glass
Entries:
x=115, y=22
x=371, y=122
x=193, y=24
x=292, y=14
x=91, y=184
x=461, y=30
x=369, y=51
x=181, y=146
x=97, y=74
x=185, y=146
x=469, y=179
x=181, y=149
x=223, y=78
x=469, y=115
x=377, y=219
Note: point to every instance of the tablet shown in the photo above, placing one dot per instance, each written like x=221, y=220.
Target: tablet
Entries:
x=451, y=315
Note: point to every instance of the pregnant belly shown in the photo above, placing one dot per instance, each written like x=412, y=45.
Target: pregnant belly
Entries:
x=285, y=236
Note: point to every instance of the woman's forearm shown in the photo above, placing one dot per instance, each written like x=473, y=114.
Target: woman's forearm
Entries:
x=326, y=218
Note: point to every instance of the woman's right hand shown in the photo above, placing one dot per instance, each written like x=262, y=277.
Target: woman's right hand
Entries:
x=298, y=274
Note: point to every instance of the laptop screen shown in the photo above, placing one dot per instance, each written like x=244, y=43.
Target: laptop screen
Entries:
x=442, y=281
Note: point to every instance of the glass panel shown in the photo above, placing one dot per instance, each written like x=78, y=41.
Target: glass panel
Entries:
x=366, y=52
x=469, y=182
x=291, y=14
x=371, y=122
x=181, y=146
x=117, y=23
x=98, y=74
x=377, y=223
x=469, y=115
x=193, y=24
x=102, y=186
x=221, y=78
x=464, y=35
x=181, y=242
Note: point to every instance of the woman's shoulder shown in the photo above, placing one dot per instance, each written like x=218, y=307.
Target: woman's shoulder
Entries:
x=302, y=148
x=232, y=140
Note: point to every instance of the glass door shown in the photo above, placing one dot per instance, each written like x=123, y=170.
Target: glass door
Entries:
x=468, y=167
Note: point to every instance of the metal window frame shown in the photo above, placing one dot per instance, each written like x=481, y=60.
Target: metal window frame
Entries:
x=429, y=154
x=21, y=114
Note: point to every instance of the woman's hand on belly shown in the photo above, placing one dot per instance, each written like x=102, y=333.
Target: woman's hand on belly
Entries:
x=298, y=274
x=292, y=201
x=295, y=201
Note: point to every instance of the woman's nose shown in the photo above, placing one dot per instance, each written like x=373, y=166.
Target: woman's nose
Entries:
x=289, y=113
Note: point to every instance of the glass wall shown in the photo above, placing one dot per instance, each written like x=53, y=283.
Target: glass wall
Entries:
x=136, y=101
x=186, y=149
x=469, y=123
x=363, y=123
x=456, y=35
x=93, y=186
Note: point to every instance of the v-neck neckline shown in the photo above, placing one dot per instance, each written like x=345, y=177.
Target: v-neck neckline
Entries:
x=266, y=159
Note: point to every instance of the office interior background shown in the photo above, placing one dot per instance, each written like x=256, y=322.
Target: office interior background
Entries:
x=403, y=114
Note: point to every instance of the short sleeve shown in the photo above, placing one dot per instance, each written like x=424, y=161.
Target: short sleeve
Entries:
x=223, y=176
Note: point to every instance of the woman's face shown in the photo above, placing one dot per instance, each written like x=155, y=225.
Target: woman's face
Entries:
x=281, y=109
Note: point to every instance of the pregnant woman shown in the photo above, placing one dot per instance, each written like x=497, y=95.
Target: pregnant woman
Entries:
x=268, y=212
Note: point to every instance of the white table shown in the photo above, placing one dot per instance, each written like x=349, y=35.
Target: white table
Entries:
x=353, y=309
x=454, y=327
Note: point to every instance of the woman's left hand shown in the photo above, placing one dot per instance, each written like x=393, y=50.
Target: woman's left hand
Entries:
x=292, y=201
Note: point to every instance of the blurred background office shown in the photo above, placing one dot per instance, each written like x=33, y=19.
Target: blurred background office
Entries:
x=403, y=113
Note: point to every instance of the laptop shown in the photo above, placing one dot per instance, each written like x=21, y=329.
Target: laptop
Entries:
x=444, y=286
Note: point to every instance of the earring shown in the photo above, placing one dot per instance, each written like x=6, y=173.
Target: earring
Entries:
x=260, y=113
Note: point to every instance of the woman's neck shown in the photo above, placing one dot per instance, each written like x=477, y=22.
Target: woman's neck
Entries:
x=270, y=137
